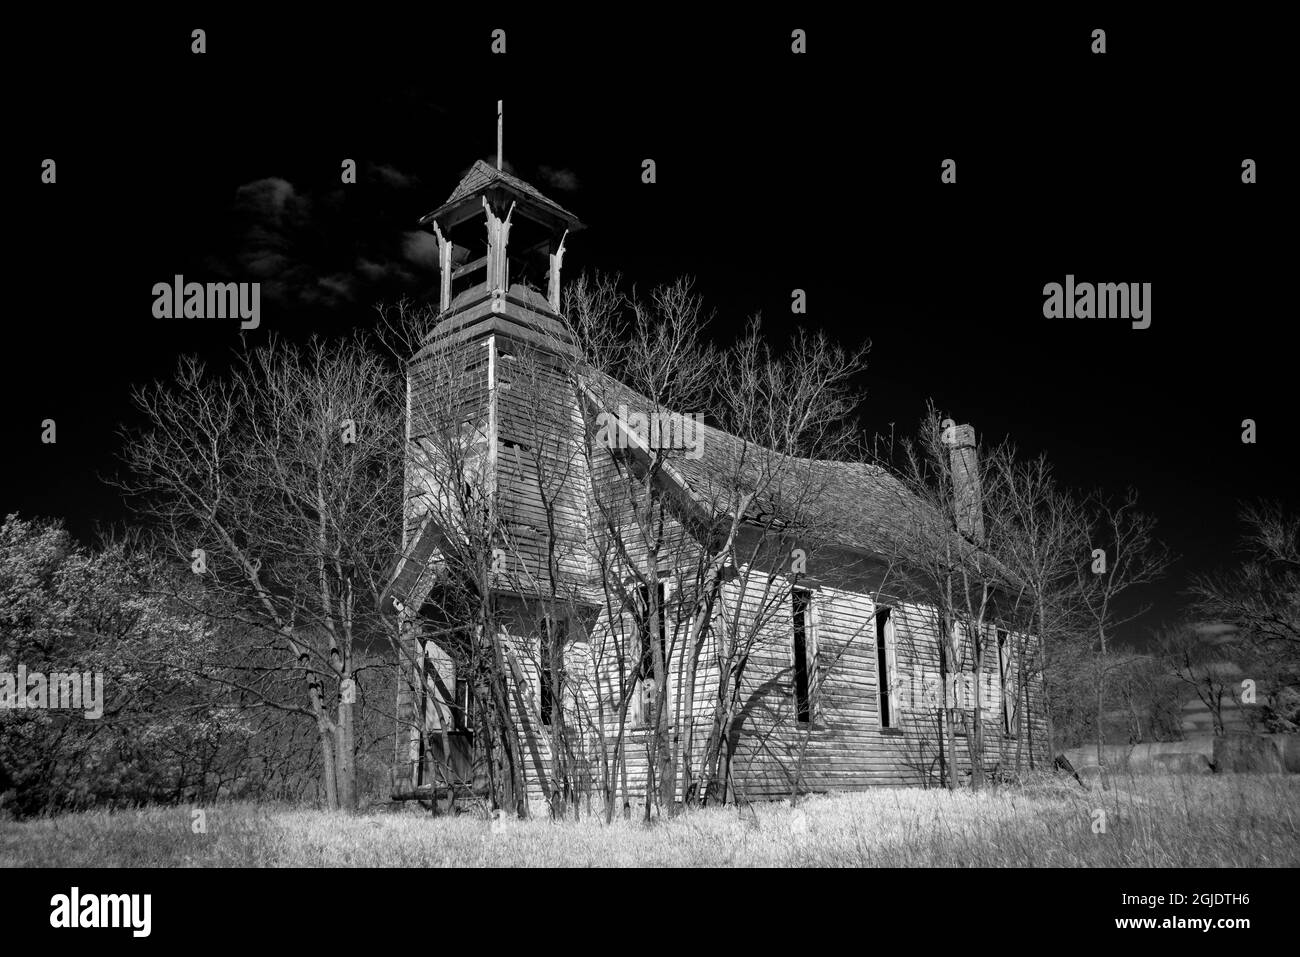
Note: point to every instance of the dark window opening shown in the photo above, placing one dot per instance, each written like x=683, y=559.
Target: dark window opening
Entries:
x=884, y=673
x=551, y=667
x=945, y=636
x=646, y=670
x=647, y=663
x=462, y=710
x=1004, y=673
x=800, y=600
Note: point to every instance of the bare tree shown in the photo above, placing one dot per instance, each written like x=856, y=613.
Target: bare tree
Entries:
x=1208, y=662
x=718, y=520
x=1043, y=532
x=1126, y=555
x=1262, y=596
x=1152, y=698
x=951, y=550
x=456, y=564
x=542, y=525
x=279, y=484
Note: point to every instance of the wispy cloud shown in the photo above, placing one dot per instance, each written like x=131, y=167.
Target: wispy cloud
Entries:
x=270, y=199
x=565, y=180
x=420, y=248
x=392, y=176
x=311, y=249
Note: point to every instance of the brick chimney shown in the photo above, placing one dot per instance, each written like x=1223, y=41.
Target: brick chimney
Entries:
x=964, y=462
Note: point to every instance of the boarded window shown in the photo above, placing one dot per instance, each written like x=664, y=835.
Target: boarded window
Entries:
x=887, y=669
x=801, y=608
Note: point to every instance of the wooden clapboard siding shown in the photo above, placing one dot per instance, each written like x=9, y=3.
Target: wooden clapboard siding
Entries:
x=845, y=746
x=541, y=469
x=555, y=491
x=521, y=428
x=449, y=395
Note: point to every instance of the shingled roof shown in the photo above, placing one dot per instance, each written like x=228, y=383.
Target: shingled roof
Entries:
x=482, y=175
x=855, y=504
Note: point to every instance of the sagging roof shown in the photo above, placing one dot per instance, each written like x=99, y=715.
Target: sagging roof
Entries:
x=856, y=505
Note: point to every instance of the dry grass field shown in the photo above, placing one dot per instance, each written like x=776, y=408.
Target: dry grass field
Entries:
x=1155, y=821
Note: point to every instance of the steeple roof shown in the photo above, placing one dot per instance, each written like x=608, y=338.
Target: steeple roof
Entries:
x=482, y=176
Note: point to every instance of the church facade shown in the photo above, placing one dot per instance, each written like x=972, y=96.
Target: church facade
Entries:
x=744, y=650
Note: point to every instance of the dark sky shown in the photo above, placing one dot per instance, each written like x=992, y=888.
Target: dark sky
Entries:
x=775, y=171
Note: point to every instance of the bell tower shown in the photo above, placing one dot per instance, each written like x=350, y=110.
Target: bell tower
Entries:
x=494, y=432
x=501, y=248
x=494, y=441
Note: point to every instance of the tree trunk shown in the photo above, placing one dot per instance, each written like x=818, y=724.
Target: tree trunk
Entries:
x=1101, y=743
x=1047, y=701
x=346, y=759
x=1024, y=726
x=948, y=689
x=329, y=776
x=728, y=788
x=977, y=732
x=1101, y=705
x=666, y=772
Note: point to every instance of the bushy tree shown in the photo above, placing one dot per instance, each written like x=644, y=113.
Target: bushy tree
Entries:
x=66, y=609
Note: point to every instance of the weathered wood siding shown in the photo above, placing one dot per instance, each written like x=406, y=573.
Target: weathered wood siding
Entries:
x=844, y=747
x=525, y=429
x=540, y=470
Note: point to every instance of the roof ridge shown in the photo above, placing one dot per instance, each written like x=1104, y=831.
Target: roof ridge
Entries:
x=482, y=173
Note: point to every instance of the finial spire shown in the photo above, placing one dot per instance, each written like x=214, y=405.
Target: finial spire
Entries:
x=499, y=124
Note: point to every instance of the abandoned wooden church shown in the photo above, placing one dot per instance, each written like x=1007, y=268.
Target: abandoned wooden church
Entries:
x=600, y=597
